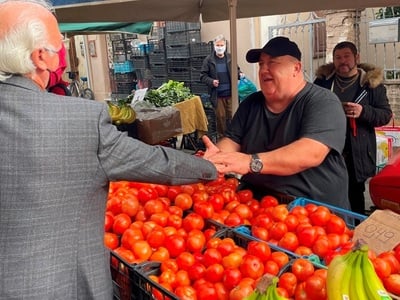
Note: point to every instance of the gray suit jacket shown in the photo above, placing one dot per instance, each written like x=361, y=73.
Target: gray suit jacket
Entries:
x=57, y=156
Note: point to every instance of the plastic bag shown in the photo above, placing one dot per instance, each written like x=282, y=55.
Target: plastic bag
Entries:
x=245, y=88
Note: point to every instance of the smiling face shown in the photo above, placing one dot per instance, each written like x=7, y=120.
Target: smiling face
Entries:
x=280, y=77
x=345, y=62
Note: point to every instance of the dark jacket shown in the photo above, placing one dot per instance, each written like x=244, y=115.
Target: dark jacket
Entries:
x=209, y=73
x=376, y=112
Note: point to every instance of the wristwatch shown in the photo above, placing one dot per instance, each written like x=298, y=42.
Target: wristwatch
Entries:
x=256, y=164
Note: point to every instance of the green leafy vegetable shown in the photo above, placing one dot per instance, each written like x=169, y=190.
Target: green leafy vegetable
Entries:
x=168, y=94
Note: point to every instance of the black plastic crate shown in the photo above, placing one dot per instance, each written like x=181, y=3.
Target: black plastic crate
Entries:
x=182, y=38
x=178, y=63
x=174, y=26
x=159, y=70
x=140, y=62
x=123, y=276
x=200, y=49
x=198, y=88
x=195, y=74
x=193, y=25
x=118, y=46
x=178, y=74
x=119, y=57
x=124, y=77
x=116, y=36
x=178, y=51
x=147, y=289
x=158, y=81
x=124, y=87
x=156, y=46
x=196, y=62
x=157, y=58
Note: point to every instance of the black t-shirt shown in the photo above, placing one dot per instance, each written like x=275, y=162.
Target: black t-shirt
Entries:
x=315, y=113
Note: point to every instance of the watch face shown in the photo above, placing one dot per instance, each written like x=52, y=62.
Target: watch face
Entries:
x=256, y=165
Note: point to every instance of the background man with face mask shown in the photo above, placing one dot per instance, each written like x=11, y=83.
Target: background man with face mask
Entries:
x=216, y=74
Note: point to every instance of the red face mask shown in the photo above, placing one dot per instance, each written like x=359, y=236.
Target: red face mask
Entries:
x=56, y=76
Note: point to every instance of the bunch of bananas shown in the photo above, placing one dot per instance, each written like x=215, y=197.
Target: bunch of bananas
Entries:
x=121, y=113
x=266, y=289
x=352, y=276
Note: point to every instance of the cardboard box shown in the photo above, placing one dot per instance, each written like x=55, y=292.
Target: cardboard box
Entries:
x=155, y=125
x=380, y=231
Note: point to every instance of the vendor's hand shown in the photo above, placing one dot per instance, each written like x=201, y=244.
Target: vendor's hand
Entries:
x=352, y=110
x=231, y=162
x=211, y=148
x=215, y=82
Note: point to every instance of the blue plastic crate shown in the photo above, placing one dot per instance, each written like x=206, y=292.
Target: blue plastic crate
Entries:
x=123, y=67
x=348, y=216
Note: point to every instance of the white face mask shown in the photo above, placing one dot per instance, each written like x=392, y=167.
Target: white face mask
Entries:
x=220, y=49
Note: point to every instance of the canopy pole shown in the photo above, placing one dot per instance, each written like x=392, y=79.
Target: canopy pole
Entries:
x=232, y=4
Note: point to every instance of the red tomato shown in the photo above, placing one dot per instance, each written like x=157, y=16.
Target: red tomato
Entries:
x=217, y=201
x=160, y=254
x=320, y=216
x=130, y=205
x=231, y=277
x=182, y=278
x=321, y=246
x=232, y=260
x=263, y=220
x=142, y=250
x=175, y=210
x=300, y=292
x=382, y=267
x=185, y=260
x=281, y=258
x=260, y=232
x=335, y=224
x=315, y=288
x=206, y=291
x=269, y=201
x=251, y=266
x=111, y=240
x=161, y=218
x=271, y=267
x=200, y=196
x=183, y=200
x=243, y=211
x=161, y=189
x=233, y=219
x=302, y=268
x=278, y=230
x=153, y=206
x=108, y=221
x=226, y=246
x=185, y=293
x=174, y=221
x=289, y=241
x=156, y=237
x=204, y=209
x=288, y=281
x=390, y=257
x=173, y=191
x=169, y=264
x=175, y=244
x=214, y=273
x=245, y=195
x=279, y=212
x=260, y=249
x=222, y=291
x=196, y=271
x=240, y=292
x=211, y=256
x=125, y=254
x=392, y=283
x=307, y=236
x=188, y=189
x=195, y=240
x=193, y=221
x=114, y=205
x=121, y=223
x=147, y=193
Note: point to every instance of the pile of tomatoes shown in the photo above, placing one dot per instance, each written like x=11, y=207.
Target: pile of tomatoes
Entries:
x=171, y=225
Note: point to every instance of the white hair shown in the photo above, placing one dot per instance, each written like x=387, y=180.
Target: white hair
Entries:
x=17, y=44
x=219, y=37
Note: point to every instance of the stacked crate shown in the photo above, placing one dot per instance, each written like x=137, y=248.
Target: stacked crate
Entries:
x=157, y=62
x=178, y=38
x=198, y=52
x=123, y=75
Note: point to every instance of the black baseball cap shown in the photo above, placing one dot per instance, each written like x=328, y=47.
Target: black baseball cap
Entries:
x=277, y=46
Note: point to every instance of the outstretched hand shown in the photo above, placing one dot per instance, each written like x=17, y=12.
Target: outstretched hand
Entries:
x=211, y=148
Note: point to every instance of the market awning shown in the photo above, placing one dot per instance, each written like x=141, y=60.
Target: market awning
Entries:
x=106, y=27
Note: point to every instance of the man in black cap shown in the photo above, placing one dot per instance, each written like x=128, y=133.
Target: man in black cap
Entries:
x=290, y=135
